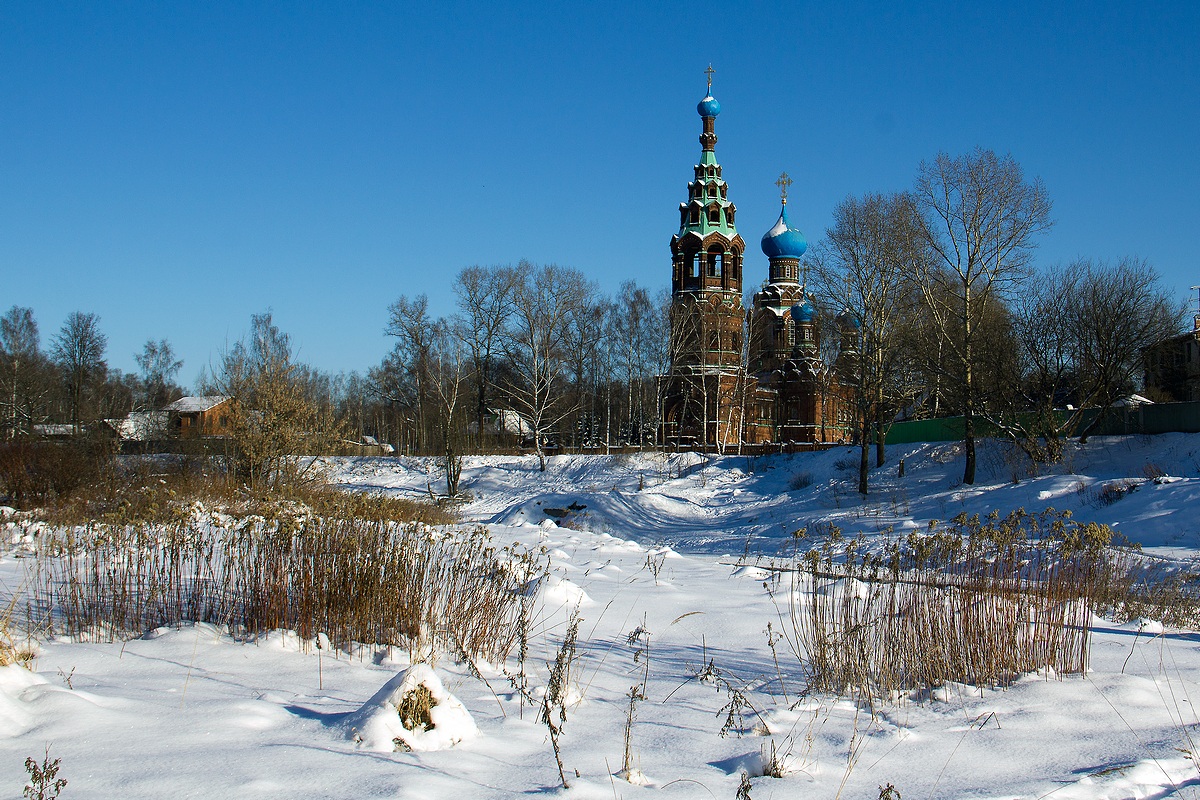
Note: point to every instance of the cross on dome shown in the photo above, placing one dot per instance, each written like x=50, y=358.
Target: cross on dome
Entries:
x=710, y=72
x=783, y=183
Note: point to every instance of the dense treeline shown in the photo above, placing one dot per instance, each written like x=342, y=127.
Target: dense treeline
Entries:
x=69, y=381
x=956, y=319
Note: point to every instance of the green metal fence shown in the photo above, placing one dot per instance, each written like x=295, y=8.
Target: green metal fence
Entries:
x=1154, y=418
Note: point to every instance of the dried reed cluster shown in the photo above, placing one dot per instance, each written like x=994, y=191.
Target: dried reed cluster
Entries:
x=979, y=602
x=355, y=580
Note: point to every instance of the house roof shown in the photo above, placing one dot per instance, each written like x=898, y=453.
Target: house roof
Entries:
x=140, y=426
x=195, y=405
x=54, y=429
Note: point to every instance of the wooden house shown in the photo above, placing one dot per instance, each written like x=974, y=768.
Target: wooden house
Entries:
x=191, y=417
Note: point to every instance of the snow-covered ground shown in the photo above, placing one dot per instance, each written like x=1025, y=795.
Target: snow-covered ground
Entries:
x=670, y=544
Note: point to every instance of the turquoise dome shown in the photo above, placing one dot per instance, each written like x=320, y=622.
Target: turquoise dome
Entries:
x=708, y=107
x=803, y=312
x=784, y=241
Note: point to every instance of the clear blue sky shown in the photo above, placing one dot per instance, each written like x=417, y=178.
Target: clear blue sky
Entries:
x=176, y=167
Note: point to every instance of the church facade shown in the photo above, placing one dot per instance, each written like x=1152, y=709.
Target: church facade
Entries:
x=748, y=376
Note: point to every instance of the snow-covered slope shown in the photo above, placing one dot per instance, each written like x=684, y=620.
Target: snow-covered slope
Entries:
x=717, y=504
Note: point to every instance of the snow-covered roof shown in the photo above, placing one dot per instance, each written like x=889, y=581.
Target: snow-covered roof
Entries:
x=195, y=405
x=1133, y=400
x=510, y=421
x=140, y=426
x=53, y=429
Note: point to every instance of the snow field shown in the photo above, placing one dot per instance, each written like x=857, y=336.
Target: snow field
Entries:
x=195, y=713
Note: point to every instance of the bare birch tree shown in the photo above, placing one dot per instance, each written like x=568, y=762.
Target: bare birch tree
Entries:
x=78, y=349
x=448, y=373
x=485, y=304
x=544, y=299
x=980, y=217
x=866, y=265
x=409, y=322
x=159, y=367
x=24, y=383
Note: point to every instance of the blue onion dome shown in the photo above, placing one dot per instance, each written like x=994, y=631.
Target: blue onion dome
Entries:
x=708, y=107
x=803, y=312
x=848, y=319
x=784, y=241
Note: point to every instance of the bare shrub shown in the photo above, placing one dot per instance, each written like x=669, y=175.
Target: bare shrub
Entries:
x=801, y=480
x=1153, y=471
x=1113, y=491
x=43, y=783
x=979, y=602
x=1140, y=587
x=36, y=472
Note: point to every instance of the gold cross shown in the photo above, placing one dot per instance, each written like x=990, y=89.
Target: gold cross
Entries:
x=710, y=72
x=783, y=183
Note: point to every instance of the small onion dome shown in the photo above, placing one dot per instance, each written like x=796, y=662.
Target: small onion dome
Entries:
x=803, y=312
x=784, y=241
x=848, y=319
x=708, y=107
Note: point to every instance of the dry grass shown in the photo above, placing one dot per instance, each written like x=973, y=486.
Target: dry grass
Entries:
x=978, y=602
x=416, y=707
x=12, y=651
x=163, y=490
x=354, y=580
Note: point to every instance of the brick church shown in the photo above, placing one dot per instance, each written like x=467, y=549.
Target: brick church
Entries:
x=754, y=376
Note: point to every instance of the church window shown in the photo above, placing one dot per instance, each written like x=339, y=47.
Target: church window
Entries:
x=716, y=261
x=694, y=217
x=724, y=191
x=714, y=215
x=737, y=341
x=696, y=265
x=729, y=214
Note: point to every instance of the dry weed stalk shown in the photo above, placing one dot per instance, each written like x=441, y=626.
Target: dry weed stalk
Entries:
x=556, y=699
x=354, y=580
x=979, y=602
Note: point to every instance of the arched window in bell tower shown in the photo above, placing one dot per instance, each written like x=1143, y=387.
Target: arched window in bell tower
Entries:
x=716, y=263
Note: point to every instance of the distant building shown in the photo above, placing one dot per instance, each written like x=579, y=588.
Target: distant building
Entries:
x=711, y=395
x=54, y=431
x=190, y=417
x=140, y=427
x=1173, y=366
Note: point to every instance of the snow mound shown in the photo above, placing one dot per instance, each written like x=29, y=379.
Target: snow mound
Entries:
x=562, y=592
x=437, y=718
x=16, y=716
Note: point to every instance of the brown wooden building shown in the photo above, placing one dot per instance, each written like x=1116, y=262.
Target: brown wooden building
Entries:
x=191, y=417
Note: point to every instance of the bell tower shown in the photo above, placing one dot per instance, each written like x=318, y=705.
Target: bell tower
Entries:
x=701, y=403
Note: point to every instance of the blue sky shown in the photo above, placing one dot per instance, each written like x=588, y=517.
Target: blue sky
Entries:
x=176, y=167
